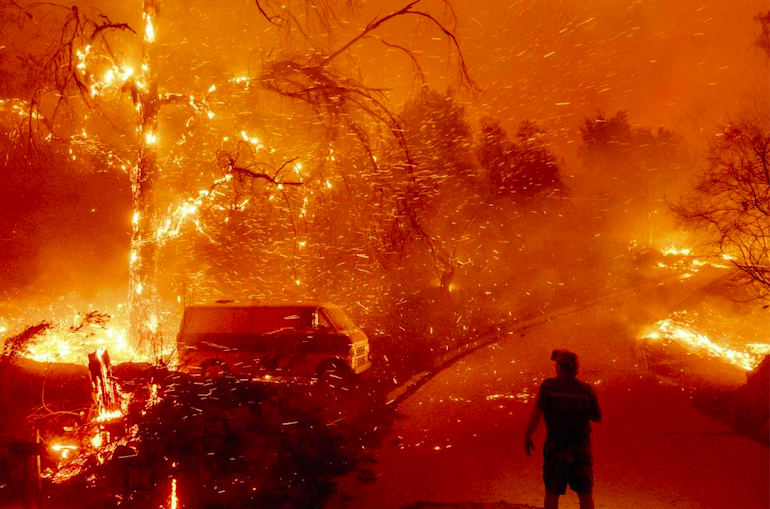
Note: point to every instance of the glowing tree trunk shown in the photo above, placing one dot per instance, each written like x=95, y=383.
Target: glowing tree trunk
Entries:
x=143, y=296
x=105, y=390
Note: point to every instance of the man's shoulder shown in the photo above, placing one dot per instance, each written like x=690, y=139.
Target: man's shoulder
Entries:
x=567, y=383
x=549, y=382
x=584, y=386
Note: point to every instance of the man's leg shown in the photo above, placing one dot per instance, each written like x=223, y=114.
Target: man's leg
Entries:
x=586, y=500
x=555, y=475
x=581, y=477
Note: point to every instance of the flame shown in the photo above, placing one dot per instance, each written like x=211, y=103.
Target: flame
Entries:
x=107, y=416
x=109, y=77
x=173, y=499
x=253, y=140
x=679, y=328
x=72, y=336
x=188, y=211
x=57, y=345
x=101, y=446
x=64, y=450
x=97, y=440
x=150, y=138
x=114, y=75
x=673, y=250
x=149, y=29
x=21, y=108
x=684, y=260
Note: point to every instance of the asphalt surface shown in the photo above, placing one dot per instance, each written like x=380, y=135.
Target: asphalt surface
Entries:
x=458, y=440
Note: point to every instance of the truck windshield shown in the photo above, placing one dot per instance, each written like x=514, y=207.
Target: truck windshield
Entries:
x=340, y=319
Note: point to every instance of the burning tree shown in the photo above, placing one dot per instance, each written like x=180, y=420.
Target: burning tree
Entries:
x=92, y=76
x=729, y=205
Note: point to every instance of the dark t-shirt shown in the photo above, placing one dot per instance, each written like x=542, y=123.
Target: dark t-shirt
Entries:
x=568, y=406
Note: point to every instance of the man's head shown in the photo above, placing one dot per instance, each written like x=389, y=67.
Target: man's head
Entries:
x=566, y=362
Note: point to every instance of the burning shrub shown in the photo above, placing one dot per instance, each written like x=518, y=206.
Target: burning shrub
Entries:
x=18, y=345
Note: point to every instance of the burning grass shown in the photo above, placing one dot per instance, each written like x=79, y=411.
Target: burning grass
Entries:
x=691, y=333
x=716, y=347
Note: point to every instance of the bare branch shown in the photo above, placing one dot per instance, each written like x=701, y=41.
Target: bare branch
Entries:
x=730, y=204
x=231, y=166
x=408, y=10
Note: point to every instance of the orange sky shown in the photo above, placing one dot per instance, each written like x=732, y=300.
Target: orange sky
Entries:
x=685, y=64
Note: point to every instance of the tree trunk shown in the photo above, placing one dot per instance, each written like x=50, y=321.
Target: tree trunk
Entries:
x=143, y=294
x=105, y=391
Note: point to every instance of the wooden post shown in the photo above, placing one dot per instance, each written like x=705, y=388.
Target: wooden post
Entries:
x=38, y=472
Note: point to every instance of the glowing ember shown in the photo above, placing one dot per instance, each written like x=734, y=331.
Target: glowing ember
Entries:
x=64, y=450
x=102, y=444
x=105, y=416
x=521, y=395
x=683, y=259
x=673, y=250
x=173, y=499
x=97, y=440
x=679, y=327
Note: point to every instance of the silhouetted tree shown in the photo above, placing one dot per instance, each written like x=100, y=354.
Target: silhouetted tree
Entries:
x=635, y=155
x=495, y=153
x=729, y=205
x=763, y=39
x=536, y=168
x=440, y=143
x=523, y=167
x=632, y=167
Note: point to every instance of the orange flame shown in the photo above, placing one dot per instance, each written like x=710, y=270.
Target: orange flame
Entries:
x=679, y=328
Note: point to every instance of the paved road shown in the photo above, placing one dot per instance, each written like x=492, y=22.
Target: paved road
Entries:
x=459, y=438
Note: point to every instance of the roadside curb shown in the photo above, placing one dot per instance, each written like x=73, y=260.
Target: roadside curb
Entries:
x=403, y=391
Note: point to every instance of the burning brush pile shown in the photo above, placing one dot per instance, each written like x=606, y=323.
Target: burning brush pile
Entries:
x=151, y=437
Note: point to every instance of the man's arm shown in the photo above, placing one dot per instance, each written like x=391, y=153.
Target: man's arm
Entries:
x=534, y=420
x=596, y=411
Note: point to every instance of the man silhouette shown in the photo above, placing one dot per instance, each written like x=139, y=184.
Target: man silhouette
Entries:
x=568, y=405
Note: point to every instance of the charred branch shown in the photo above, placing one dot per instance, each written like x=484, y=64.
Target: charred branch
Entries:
x=59, y=71
x=407, y=11
x=229, y=163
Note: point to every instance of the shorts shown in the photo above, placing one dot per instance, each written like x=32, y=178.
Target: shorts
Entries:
x=568, y=465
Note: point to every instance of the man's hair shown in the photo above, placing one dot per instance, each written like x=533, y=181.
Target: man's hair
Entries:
x=567, y=360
